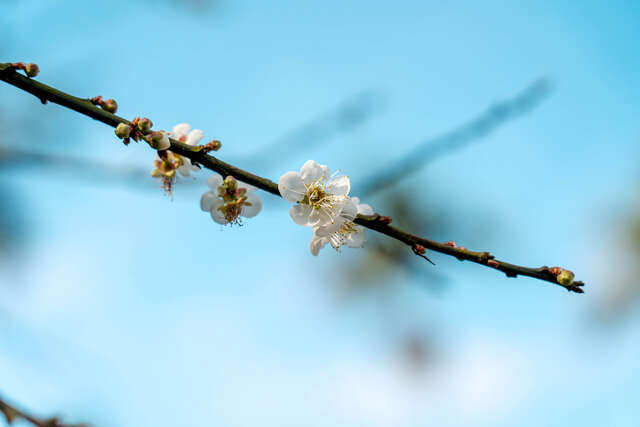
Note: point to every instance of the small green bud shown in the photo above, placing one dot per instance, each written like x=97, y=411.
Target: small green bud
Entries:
x=145, y=125
x=123, y=130
x=213, y=145
x=158, y=140
x=31, y=69
x=110, y=105
x=565, y=277
x=230, y=183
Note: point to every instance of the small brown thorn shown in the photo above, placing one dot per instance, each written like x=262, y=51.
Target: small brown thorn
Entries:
x=420, y=251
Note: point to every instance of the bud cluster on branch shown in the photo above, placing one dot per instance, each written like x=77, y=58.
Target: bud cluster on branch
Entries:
x=321, y=200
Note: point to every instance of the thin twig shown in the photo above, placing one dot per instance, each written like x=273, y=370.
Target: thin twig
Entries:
x=12, y=414
x=481, y=126
x=375, y=222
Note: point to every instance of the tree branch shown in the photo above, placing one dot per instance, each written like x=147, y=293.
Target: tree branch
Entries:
x=12, y=414
x=375, y=222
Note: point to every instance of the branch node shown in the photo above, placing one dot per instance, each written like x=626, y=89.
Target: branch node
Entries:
x=420, y=251
x=386, y=220
x=213, y=145
x=109, y=105
x=485, y=257
x=30, y=69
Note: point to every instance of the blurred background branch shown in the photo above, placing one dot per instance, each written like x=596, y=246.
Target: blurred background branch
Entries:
x=497, y=115
x=86, y=169
x=344, y=118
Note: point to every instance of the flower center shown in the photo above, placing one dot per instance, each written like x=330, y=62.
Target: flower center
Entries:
x=232, y=211
x=316, y=195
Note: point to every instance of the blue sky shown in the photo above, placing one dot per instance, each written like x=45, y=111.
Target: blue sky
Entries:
x=128, y=308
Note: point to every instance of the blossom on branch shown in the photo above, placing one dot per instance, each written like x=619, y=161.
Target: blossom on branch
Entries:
x=183, y=133
x=166, y=164
x=343, y=231
x=159, y=140
x=319, y=198
x=229, y=199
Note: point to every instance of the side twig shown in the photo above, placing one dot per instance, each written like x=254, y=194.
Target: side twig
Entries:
x=375, y=222
x=12, y=414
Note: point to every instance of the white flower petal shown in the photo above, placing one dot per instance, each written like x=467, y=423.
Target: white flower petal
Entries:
x=349, y=210
x=291, y=187
x=216, y=214
x=326, y=172
x=312, y=172
x=254, y=209
x=250, y=188
x=207, y=199
x=300, y=214
x=356, y=200
x=214, y=182
x=356, y=238
x=180, y=130
x=326, y=230
x=316, y=244
x=322, y=217
x=164, y=142
x=185, y=169
x=194, y=137
x=364, y=209
x=339, y=186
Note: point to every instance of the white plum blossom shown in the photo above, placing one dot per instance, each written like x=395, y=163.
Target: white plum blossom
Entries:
x=165, y=166
x=319, y=198
x=183, y=133
x=343, y=231
x=228, y=199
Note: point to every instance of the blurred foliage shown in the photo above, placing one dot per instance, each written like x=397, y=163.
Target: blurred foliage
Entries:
x=12, y=224
x=12, y=215
x=621, y=294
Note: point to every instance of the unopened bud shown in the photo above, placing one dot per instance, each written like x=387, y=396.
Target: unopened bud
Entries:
x=419, y=249
x=31, y=69
x=159, y=140
x=123, y=130
x=110, y=105
x=213, y=145
x=230, y=183
x=565, y=277
x=145, y=125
